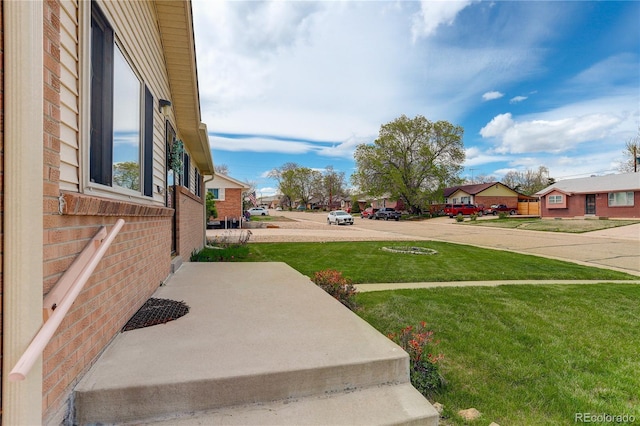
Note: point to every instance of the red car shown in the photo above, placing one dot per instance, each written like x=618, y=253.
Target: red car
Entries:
x=368, y=213
x=452, y=210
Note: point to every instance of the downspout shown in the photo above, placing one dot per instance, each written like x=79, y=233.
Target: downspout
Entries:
x=206, y=218
x=23, y=208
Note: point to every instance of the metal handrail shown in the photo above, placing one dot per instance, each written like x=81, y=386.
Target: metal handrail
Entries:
x=60, y=299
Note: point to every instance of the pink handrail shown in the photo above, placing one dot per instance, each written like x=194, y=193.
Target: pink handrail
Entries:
x=61, y=297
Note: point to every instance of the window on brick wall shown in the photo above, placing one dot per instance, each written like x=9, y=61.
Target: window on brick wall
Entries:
x=218, y=193
x=121, y=129
x=621, y=199
x=555, y=199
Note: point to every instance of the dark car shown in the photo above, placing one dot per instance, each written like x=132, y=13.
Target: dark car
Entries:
x=497, y=208
x=387, y=213
x=368, y=213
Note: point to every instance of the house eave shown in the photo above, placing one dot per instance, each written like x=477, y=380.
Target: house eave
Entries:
x=175, y=24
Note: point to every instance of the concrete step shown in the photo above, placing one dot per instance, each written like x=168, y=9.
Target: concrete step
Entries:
x=255, y=333
x=379, y=405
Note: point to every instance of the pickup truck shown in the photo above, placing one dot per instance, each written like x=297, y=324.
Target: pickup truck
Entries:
x=452, y=210
x=387, y=213
x=497, y=208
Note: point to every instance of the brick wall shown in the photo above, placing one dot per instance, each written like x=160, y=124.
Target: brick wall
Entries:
x=189, y=211
x=231, y=207
x=576, y=207
x=131, y=270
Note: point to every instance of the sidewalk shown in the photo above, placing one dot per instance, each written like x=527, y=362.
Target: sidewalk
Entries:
x=402, y=286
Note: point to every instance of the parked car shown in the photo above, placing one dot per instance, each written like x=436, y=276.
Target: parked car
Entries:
x=258, y=211
x=339, y=217
x=497, y=208
x=452, y=210
x=387, y=213
x=368, y=213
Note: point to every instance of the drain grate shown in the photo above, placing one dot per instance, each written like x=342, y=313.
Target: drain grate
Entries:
x=156, y=311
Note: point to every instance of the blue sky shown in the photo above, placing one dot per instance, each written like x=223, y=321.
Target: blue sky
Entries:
x=542, y=83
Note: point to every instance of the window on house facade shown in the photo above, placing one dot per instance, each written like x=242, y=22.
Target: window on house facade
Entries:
x=121, y=135
x=465, y=200
x=198, y=189
x=186, y=170
x=218, y=193
x=621, y=199
x=555, y=199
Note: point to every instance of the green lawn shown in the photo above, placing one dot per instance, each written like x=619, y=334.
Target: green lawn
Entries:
x=526, y=355
x=574, y=226
x=366, y=262
x=521, y=355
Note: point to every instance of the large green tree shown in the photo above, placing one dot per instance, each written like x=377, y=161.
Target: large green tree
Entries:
x=412, y=159
x=284, y=175
x=331, y=186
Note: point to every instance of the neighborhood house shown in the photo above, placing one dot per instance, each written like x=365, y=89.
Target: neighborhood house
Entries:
x=611, y=196
x=227, y=193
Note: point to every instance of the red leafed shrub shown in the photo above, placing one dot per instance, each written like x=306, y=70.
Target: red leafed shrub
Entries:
x=418, y=342
x=336, y=285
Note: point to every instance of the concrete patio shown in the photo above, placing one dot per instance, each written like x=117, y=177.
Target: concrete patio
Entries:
x=261, y=344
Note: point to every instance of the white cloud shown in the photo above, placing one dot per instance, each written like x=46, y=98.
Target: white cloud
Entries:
x=433, y=14
x=608, y=119
x=552, y=136
x=477, y=157
x=257, y=144
x=517, y=99
x=489, y=96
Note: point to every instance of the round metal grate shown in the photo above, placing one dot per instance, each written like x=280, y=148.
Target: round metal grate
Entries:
x=156, y=311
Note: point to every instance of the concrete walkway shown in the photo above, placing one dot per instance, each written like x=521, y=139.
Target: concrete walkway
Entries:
x=400, y=286
x=261, y=345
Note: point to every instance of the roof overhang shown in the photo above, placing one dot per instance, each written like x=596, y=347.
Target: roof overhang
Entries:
x=175, y=24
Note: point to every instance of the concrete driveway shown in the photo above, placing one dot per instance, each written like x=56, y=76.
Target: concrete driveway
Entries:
x=617, y=248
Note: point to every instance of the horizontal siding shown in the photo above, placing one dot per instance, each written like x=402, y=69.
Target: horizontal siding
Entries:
x=136, y=27
x=69, y=96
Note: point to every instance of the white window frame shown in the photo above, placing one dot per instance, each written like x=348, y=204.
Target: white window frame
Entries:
x=614, y=199
x=86, y=185
x=556, y=199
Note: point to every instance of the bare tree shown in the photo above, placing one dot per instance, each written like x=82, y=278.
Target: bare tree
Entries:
x=528, y=182
x=222, y=169
x=631, y=155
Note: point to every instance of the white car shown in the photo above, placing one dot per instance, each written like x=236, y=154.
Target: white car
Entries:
x=258, y=211
x=339, y=217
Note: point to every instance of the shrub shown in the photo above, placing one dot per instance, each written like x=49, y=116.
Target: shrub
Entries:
x=337, y=286
x=229, y=253
x=474, y=217
x=459, y=218
x=424, y=370
x=503, y=215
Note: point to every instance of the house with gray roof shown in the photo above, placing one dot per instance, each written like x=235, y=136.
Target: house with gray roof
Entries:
x=614, y=196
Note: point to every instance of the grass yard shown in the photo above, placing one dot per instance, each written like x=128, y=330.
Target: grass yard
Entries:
x=366, y=262
x=575, y=226
x=526, y=355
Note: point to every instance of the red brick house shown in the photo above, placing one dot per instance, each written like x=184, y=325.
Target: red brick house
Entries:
x=100, y=122
x=614, y=196
x=227, y=192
